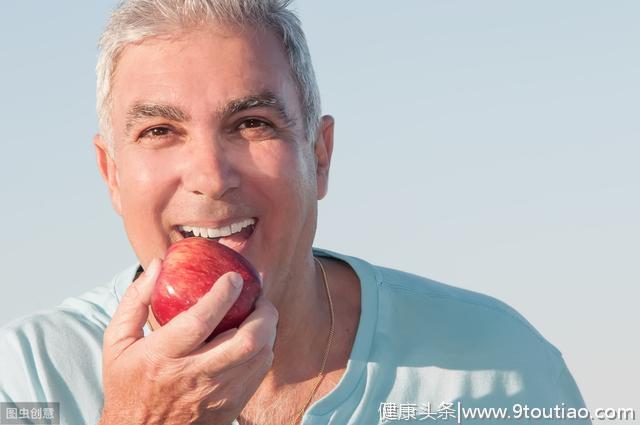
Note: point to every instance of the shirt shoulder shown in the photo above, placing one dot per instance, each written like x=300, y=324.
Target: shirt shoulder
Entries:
x=55, y=355
x=463, y=321
x=471, y=347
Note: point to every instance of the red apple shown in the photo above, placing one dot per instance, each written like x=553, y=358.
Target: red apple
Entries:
x=190, y=268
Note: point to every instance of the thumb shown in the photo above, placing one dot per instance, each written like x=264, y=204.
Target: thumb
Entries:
x=126, y=325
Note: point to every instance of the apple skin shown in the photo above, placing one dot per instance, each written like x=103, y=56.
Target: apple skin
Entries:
x=190, y=268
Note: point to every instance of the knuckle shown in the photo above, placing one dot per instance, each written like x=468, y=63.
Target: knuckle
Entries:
x=263, y=361
x=268, y=356
x=195, y=323
x=249, y=346
x=273, y=311
x=133, y=292
x=157, y=366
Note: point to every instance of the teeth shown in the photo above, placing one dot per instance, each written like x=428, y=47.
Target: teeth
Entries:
x=220, y=231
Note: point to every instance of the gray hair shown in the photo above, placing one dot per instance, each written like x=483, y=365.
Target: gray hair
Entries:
x=135, y=20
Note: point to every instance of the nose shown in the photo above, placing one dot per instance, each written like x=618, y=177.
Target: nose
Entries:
x=210, y=169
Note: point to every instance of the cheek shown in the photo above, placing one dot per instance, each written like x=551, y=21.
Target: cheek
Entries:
x=146, y=183
x=284, y=179
x=283, y=172
x=290, y=161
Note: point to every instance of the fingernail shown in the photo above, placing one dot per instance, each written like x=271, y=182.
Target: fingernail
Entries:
x=236, y=280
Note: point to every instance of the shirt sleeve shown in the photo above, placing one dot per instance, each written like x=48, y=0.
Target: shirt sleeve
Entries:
x=17, y=380
x=53, y=357
x=569, y=394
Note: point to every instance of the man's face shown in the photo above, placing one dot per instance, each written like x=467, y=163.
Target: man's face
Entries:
x=209, y=133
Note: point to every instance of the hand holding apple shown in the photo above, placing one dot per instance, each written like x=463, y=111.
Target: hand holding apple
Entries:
x=169, y=376
x=190, y=268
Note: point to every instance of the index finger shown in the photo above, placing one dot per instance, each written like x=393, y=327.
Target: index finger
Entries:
x=189, y=329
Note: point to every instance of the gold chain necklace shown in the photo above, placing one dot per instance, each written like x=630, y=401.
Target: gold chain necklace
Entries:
x=326, y=350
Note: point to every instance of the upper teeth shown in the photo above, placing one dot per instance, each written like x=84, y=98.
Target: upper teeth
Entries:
x=220, y=231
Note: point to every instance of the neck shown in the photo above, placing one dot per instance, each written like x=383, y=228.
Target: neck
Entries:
x=303, y=325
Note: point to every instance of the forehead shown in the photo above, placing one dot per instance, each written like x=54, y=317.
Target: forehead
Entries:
x=202, y=69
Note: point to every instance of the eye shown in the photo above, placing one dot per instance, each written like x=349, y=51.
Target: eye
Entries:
x=252, y=123
x=255, y=129
x=156, y=132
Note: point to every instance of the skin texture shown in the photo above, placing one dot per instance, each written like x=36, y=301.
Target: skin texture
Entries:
x=185, y=156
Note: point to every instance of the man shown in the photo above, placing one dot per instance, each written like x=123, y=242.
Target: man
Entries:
x=210, y=126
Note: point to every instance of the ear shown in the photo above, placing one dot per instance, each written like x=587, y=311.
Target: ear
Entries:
x=323, y=151
x=108, y=171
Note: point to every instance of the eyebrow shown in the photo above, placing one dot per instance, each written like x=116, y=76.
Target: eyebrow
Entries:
x=267, y=99
x=140, y=111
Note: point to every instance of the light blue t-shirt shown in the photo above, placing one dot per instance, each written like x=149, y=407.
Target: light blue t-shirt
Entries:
x=424, y=351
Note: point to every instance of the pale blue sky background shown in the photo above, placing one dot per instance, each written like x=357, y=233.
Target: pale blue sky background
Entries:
x=491, y=145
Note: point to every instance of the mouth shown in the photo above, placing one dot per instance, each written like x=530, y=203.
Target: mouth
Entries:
x=234, y=235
